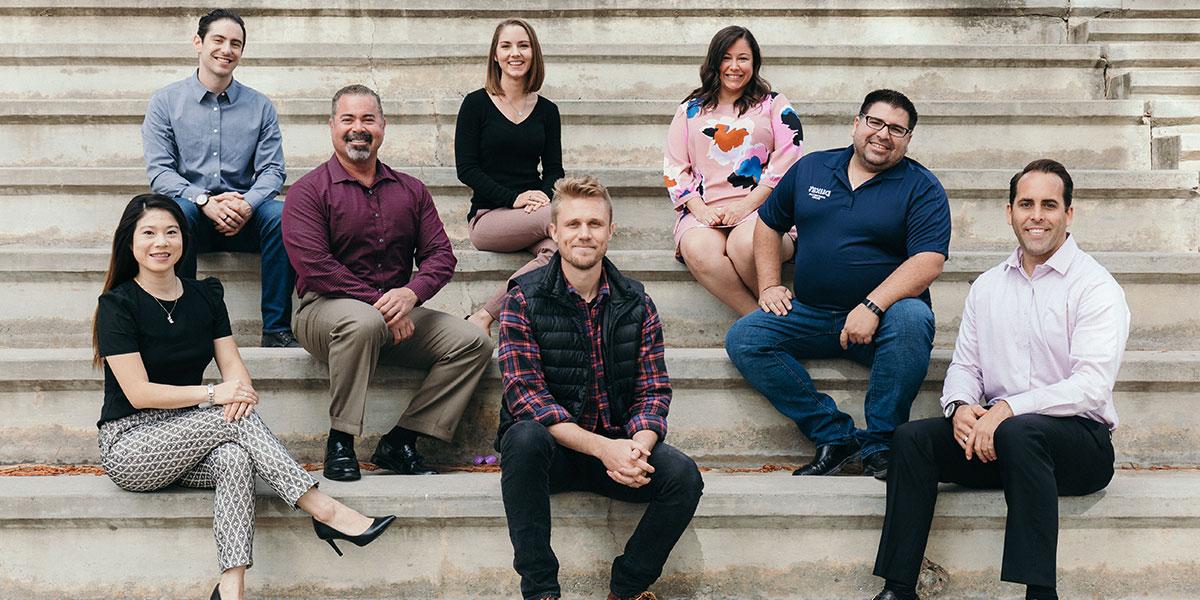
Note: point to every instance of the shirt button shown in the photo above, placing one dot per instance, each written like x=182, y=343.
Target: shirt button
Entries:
x=380, y=240
x=376, y=215
x=214, y=108
x=214, y=153
x=378, y=265
x=216, y=130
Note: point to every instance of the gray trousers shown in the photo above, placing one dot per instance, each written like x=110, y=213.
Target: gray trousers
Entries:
x=195, y=447
x=352, y=338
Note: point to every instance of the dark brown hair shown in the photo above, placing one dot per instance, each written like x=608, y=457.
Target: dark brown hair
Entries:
x=537, y=65
x=1044, y=165
x=122, y=266
x=710, y=72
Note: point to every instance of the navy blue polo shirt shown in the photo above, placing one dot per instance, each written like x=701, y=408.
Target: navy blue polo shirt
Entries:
x=849, y=241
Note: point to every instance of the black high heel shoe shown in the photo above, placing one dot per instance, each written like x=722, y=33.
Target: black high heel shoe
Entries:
x=216, y=595
x=327, y=533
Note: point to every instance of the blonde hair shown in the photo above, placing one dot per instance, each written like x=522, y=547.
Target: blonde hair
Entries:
x=537, y=65
x=581, y=187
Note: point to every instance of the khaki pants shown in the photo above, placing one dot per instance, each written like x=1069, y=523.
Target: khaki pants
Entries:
x=512, y=230
x=352, y=337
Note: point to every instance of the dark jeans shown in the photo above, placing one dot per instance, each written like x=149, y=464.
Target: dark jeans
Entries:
x=767, y=349
x=264, y=235
x=1039, y=458
x=533, y=466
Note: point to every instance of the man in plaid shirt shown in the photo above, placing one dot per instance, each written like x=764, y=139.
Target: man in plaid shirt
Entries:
x=586, y=395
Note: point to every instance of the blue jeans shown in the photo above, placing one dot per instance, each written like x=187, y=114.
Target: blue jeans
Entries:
x=767, y=349
x=264, y=235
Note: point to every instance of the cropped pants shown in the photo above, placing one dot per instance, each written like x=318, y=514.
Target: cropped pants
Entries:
x=196, y=448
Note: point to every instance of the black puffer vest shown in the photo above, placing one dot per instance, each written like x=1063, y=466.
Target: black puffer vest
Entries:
x=560, y=331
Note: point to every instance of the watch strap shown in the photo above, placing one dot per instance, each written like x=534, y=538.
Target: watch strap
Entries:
x=871, y=306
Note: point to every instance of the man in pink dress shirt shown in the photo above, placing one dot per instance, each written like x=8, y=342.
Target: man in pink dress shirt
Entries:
x=354, y=229
x=1027, y=400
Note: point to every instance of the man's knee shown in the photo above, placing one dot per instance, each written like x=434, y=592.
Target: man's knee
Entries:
x=680, y=474
x=364, y=325
x=744, y=335
x=910, y=314
x=913, y=435
x=524, y=440
x=269, y=215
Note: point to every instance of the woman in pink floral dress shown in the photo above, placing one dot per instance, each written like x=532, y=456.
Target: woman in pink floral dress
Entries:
x=730, y=142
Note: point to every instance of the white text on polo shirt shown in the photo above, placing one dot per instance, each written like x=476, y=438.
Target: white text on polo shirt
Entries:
x=817, y=193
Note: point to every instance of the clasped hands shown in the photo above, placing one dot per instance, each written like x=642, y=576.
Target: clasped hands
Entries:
x=229, y=212
x=531, y=200
x=236, y=398
x=626, y=462
x=975, y=429
x=395, y=306
x=726, y=216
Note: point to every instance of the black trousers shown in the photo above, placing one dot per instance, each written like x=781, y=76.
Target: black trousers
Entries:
x=533, y=466
x=1039, y=458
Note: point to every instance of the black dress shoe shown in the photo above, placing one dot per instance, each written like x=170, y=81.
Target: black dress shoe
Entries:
x=378, y=526
x=876, y=465
x=402, y=459
x=341, y=464
x=279, y=339
x=830, y=459
x=886, y=595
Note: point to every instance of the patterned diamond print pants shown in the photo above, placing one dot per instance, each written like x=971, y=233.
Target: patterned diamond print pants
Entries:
x=195, y=447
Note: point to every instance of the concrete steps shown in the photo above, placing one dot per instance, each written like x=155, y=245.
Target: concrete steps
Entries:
x=51, y=294
x=1101, y=134
x=1117, y=210
x=1155, y=83
x=451, y=541
x=1104, y=30
x=624, y=21
x=53, y=398
x=601, y=69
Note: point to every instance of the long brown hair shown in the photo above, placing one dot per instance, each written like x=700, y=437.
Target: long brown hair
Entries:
x=122, y=266
x=710, y=72
x=537, y=65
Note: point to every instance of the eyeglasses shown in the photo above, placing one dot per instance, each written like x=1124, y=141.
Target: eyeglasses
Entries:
x=878, y=125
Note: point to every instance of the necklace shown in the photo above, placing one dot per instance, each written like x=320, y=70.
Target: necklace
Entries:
x=174, y=303
x=520, y=113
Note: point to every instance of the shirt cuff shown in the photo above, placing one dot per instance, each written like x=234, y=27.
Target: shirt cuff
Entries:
x=965, y=399
x=190, y=192
x=424, y=292
x=551, y=414
x=1020, y=404
x=653, y=423
x=254, y=199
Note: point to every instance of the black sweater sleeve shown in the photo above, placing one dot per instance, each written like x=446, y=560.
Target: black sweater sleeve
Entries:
x=552, y=166
x=467, y=143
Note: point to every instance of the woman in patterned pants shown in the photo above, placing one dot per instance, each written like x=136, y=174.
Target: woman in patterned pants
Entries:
x=155, y=334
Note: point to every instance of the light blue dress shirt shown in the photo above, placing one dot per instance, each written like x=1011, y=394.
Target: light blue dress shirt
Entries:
x=198, y=142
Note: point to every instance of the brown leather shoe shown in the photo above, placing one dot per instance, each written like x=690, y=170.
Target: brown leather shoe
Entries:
x=647, y=595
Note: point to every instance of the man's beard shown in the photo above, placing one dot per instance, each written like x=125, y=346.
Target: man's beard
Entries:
x=583, y=264
x=357, y=154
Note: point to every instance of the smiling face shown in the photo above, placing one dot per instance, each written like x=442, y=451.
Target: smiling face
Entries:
x=737, y=68
x=513, y=52
x=878, y=151
x=221, y=49
x=356, y=128
x=582, y=228
x=1039, y=217
x=157, y=242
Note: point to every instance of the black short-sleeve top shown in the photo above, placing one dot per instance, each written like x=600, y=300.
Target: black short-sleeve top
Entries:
x=131, y=320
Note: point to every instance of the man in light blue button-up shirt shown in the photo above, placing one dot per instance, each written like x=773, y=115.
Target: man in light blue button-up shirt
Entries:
x=214, y=146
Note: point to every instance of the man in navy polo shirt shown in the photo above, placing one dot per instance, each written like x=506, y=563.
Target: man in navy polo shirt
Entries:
x=873, y=233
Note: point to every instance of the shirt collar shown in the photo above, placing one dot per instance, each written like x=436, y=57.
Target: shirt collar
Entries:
x=1059, y=262
x=198, y=91
x=338, y=173
x=839, y=163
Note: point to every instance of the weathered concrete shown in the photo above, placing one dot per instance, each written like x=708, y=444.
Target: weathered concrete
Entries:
x=754, y=536
x=1116, y=210
x=1102, y=134
x=1155, y=285
x=1137, y=30
x=590, y=70
x=1153, y=55
x=1155, y=84
x=53, y=399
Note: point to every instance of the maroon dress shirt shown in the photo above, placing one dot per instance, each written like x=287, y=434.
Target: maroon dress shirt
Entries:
x=346, y=240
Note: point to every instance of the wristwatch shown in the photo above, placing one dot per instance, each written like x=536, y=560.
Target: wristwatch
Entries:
x=211, y=393
x=201, y=199
x=953, y=406
x=871, y=306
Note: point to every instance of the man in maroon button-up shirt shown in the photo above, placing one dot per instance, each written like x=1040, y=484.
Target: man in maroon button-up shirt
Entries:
x=354, y=229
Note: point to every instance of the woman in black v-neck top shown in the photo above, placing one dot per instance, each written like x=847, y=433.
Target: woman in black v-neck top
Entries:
x=155, y=334
x=503, y=133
